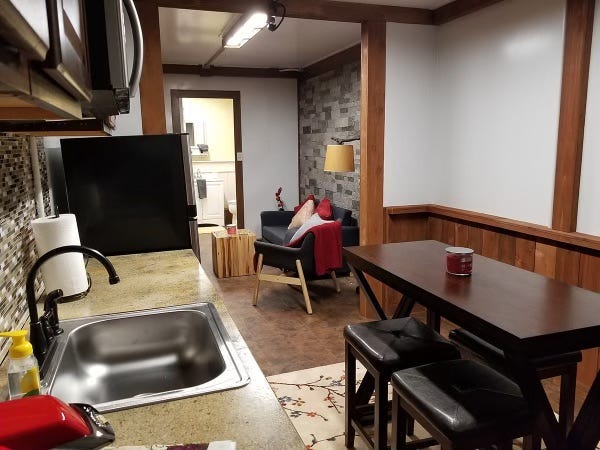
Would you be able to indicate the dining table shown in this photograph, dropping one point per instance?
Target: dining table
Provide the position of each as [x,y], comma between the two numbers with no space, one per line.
[525,314]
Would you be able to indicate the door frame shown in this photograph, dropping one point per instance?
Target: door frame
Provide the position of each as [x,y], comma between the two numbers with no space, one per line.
[177,119]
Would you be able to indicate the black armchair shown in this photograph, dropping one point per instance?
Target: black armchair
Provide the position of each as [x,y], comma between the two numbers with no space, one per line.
[274,229]
[300,260]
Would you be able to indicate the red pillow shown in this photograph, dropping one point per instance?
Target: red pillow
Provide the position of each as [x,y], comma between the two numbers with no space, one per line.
[324,209]
[308,197]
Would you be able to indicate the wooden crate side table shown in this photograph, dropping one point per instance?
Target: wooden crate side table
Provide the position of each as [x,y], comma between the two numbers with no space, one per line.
[233,254]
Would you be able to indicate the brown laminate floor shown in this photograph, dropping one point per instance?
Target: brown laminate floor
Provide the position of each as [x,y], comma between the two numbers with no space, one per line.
[284,338]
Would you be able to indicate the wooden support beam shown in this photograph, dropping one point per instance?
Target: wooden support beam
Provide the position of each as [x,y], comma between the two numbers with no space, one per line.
[216,71]
[332,62]
[152,97]
[311,9]
[579,24]
[372,129]
[459,8]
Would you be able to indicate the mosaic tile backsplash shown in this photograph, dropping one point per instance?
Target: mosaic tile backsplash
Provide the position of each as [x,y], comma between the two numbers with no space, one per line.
[17,210]
[329,106]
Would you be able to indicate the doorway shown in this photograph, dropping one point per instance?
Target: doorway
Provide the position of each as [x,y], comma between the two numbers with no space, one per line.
[212,120]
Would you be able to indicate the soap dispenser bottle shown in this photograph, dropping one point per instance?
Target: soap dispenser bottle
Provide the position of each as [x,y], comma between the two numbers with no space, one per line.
[23,372]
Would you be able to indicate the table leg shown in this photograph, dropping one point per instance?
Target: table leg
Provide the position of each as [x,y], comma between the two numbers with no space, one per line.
[404,308]
[434,320]
[585,433]
[366,288]
[533,391]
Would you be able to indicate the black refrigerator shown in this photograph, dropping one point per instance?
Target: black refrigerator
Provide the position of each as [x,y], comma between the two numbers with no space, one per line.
[130,194]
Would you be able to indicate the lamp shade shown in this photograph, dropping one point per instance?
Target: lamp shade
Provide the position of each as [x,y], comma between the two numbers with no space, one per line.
[339,158]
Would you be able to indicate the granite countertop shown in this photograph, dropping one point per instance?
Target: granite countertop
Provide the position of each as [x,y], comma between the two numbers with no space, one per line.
[250,415]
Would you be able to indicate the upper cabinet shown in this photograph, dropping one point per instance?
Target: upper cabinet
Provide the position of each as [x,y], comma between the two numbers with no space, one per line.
[67,61]
[43,60]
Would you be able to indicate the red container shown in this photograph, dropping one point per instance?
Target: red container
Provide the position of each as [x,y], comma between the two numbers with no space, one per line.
[231,229]
[459,261]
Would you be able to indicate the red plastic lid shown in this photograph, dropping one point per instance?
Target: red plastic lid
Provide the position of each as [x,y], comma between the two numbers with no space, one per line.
[38,423]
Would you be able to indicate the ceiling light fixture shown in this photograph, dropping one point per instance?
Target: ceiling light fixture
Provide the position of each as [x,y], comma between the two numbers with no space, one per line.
[244,30]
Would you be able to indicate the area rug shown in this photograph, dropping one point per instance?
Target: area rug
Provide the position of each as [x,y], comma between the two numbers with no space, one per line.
[314,401]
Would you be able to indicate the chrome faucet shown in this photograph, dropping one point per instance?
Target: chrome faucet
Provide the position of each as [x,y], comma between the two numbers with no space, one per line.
[44,329]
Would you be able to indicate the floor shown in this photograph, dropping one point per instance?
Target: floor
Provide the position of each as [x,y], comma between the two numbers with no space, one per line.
[284,338]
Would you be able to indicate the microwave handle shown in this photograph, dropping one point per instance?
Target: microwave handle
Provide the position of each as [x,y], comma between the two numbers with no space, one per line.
[138,46]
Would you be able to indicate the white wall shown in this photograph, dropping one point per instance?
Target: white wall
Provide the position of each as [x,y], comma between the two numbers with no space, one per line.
[494,114]
[409,146]
[499,83]
[588,220]
[269,136]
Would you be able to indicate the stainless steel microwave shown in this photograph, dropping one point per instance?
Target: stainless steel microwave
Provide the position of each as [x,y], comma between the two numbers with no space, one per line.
[112,85]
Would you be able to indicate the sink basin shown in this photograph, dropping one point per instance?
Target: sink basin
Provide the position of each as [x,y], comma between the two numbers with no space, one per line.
[119,361]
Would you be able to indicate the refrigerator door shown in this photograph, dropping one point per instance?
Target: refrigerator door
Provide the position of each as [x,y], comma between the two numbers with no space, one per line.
[131,194]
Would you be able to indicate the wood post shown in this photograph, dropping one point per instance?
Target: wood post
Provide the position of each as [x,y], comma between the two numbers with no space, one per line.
[372,129]
[579,24]
[152,97]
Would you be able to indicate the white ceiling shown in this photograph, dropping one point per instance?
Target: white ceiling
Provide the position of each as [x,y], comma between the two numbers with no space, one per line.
[192,37]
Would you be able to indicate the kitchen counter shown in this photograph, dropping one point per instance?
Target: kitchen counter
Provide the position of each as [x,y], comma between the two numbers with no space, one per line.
[250,415]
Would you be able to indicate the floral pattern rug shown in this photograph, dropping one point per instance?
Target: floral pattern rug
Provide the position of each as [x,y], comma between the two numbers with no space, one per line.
[314,401]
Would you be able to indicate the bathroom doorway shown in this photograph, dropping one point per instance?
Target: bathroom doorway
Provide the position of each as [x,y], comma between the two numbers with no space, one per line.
[212,120]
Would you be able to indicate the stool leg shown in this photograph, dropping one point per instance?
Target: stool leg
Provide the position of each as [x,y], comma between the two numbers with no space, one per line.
[350,396]
[532,442]
[399,425]
[410,426]
[566,406]
[381,411]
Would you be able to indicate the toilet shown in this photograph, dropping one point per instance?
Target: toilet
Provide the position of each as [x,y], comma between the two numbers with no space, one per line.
[232,206]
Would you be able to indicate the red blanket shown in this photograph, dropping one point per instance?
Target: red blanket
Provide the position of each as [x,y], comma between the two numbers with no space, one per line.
[328,246]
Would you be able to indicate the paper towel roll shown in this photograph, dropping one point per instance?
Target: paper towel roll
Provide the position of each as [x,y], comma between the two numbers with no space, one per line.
[66,272]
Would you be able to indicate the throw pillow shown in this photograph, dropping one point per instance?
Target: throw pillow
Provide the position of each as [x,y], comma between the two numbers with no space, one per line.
[303,214]
[313,221]
[324,209]
[308,197]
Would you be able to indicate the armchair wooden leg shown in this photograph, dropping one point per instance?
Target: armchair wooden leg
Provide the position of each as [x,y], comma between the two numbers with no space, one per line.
[303,284]
[256,286]
[335,281]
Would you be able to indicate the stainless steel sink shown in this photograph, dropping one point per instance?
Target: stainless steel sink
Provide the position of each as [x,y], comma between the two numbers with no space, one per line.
[119,361]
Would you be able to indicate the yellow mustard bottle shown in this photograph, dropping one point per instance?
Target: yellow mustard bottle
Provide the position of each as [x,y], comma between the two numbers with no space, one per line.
[23,371]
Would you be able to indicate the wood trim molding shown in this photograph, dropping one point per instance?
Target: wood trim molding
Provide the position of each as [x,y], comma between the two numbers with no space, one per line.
[152,97]
[311,9]
[459,8]
[219,71]
[351,54]
[579,24]
[581,240]
[176,115]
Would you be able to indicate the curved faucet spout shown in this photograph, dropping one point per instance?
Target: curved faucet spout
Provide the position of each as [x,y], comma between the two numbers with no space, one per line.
[113,278]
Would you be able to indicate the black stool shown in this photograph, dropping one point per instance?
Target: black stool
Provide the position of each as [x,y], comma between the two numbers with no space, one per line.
[563,365]
[384,347]
[463,404]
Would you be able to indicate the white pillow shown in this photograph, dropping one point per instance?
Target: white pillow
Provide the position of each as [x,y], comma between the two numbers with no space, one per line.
[303,214]
[313,221]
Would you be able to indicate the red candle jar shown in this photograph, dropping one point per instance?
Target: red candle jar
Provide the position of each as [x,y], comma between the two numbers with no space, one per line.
[231,229]
[459,261]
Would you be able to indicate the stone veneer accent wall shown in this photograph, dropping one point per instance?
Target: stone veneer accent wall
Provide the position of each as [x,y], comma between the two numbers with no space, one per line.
[17,210]
[329,106]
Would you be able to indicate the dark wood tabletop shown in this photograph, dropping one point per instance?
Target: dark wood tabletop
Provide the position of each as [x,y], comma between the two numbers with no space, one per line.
[512,307]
